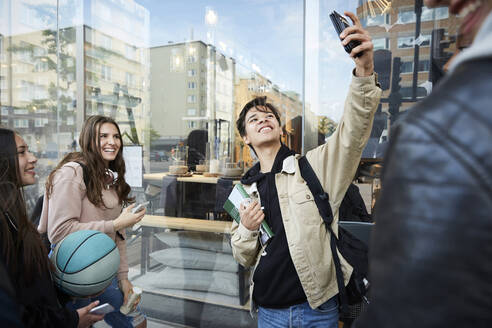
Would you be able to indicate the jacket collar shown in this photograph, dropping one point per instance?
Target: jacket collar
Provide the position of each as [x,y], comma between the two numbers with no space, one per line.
[289,165]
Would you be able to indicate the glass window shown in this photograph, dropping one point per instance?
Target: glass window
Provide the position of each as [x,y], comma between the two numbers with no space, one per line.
[409,41]
[40,122]
[405,42]
[424,65]
[407,67]
[375,20]
[191,59]
[175,76]
[406,92]
[434,13]
[21,111]
[106,72]
[191,99]
[105,41]
[21,123]
[380,43]
[130,79]
[441,13]
[176,60]
[130,52]
[41,65]
[2,54]
[406,15]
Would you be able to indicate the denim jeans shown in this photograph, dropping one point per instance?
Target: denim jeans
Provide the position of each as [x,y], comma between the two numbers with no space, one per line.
[300,316]
[113,296]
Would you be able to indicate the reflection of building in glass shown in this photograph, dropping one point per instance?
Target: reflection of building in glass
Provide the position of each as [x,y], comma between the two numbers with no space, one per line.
[116,74]
[288,104]
[47,91]
[395,31]
[29,89]
[192,88]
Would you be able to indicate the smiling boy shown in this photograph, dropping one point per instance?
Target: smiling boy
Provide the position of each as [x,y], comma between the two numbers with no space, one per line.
[294,277]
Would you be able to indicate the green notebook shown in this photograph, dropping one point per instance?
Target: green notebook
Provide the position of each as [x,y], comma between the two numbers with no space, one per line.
[237,196]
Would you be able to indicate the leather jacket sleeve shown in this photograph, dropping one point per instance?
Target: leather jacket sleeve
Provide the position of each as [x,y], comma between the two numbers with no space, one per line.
[430,253]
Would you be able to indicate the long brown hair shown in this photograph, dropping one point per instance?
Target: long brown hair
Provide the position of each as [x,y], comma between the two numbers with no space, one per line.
[24,253]
[90,155]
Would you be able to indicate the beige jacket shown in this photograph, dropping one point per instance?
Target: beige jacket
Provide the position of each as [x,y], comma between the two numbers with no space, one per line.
[68,210]
[335,164]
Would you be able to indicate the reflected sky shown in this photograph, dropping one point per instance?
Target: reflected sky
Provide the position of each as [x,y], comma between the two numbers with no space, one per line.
[264,36]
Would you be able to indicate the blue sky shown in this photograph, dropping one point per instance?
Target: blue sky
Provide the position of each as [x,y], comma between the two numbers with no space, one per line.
[268,33]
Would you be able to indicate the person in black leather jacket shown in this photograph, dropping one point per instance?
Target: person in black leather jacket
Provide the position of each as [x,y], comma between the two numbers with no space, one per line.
[431,251]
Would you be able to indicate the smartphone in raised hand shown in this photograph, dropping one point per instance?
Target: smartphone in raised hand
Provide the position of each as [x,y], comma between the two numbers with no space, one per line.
[340,23]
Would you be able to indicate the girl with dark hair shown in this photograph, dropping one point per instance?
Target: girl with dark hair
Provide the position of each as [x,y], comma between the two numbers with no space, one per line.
[21,247]
[72,203]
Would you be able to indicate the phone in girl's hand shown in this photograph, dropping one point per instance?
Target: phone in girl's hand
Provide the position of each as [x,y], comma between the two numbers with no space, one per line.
[102,309]
[139,207]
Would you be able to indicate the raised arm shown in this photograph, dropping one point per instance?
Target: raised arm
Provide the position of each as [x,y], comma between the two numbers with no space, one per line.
[336,162]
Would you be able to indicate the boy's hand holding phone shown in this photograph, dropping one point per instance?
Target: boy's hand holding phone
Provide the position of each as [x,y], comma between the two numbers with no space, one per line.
[356,41]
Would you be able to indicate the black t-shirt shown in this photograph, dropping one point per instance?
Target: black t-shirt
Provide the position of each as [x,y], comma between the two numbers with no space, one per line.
[277,284]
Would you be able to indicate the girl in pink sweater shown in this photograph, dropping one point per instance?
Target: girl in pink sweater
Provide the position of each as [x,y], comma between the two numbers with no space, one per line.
[72,204]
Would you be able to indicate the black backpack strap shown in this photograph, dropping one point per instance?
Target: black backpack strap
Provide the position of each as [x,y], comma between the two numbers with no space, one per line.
[321,199]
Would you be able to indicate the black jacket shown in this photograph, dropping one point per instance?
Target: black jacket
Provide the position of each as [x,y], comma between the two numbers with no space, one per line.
[431,253]
[39,302]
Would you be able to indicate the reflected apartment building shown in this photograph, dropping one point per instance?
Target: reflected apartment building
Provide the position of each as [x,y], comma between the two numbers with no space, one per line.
[192,88]
[406,56]
[47,92]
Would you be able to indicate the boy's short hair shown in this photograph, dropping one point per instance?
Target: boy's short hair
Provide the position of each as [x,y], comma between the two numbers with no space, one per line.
[257,103]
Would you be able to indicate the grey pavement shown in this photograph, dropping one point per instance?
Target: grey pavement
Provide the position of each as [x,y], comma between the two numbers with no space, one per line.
[151,323]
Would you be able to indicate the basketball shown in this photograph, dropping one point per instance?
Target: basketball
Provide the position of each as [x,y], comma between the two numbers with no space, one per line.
[85,263]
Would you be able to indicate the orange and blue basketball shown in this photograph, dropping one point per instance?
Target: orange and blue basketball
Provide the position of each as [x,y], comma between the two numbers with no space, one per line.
[85,262]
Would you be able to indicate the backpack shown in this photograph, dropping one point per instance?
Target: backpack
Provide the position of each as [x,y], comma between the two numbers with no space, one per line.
[354,251]
[38,208]
[353,207]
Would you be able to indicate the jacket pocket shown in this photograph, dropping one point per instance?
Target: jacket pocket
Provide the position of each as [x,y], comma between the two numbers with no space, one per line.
[305,208]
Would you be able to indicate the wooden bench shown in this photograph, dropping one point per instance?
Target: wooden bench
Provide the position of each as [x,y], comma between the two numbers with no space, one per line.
[156,221]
